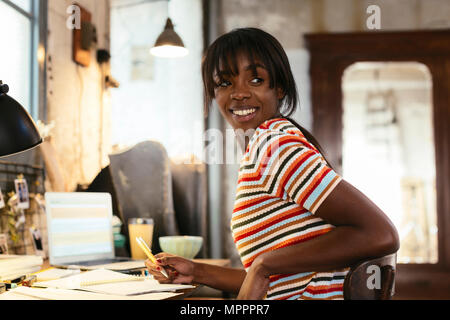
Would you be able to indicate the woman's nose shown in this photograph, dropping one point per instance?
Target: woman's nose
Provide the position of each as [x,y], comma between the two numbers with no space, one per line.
[240,92]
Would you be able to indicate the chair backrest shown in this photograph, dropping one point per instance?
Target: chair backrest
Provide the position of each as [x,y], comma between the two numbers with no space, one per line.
[143,184]
[372,279]
[189,183]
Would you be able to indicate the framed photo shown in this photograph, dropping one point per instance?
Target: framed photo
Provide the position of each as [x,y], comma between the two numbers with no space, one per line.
[37,241]
[22,193]
[3,244]
[2,201]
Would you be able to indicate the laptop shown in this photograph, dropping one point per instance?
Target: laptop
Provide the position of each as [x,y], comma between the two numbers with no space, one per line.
[80,233]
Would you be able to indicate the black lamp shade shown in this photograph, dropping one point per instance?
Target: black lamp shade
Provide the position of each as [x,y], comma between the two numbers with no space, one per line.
[18,131]
[169,36]
[169,43]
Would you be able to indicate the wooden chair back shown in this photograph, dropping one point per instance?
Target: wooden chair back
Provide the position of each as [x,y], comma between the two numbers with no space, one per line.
[372,279]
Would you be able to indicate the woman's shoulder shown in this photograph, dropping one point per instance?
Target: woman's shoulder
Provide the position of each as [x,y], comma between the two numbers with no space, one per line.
[276,129]
[282,125]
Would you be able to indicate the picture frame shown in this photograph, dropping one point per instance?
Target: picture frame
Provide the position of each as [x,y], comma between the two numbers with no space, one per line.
[22,193]
[2,200]
[37,241]
[3,243]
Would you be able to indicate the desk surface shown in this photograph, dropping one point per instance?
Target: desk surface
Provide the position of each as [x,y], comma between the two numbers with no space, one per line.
[185,293]
[217,262]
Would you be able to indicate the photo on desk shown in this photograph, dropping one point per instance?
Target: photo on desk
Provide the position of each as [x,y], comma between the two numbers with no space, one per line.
[22,193]
[2,201]
[3,243]
[37,241]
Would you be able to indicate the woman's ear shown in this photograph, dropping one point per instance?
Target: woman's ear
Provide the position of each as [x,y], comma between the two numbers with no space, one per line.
[280,93]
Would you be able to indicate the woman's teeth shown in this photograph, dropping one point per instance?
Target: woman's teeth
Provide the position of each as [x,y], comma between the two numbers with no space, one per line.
[244,112]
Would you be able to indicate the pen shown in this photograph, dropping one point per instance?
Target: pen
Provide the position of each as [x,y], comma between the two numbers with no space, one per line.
[149,254]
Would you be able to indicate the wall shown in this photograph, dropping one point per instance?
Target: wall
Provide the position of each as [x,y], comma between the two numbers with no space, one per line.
[289,20]
[157,93]
[77,102]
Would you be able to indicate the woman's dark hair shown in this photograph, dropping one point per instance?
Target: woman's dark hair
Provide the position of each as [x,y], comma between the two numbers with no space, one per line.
[259,46]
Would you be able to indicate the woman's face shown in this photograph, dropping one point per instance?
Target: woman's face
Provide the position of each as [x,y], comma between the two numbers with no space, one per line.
[246,99]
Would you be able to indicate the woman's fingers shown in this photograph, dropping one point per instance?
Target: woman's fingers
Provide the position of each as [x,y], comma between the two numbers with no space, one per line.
[180,270]
[155,271]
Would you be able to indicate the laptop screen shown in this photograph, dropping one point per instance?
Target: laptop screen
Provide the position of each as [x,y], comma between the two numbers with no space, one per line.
[79,226]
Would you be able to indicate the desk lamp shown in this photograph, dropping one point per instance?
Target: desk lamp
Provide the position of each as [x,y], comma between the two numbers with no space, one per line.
[18,132]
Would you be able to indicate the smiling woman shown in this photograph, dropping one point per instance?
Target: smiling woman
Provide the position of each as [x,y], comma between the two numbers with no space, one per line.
[296,223]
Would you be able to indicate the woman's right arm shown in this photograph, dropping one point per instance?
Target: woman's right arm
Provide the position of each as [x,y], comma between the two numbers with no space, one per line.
[183,270]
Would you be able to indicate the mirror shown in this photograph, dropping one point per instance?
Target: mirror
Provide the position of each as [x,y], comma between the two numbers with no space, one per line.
[388,149]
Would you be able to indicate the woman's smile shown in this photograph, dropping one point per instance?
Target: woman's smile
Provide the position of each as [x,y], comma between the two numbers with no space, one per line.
[244,113]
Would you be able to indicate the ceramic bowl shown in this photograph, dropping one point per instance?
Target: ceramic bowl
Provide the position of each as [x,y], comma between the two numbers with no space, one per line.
[184,246]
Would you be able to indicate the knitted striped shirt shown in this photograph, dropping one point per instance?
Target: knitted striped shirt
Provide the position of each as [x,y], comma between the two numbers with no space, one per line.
[282,181]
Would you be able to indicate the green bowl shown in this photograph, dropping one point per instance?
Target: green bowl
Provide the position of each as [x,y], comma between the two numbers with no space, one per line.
[184,246]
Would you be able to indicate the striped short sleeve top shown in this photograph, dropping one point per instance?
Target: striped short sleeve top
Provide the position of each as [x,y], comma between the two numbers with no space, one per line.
[282,181]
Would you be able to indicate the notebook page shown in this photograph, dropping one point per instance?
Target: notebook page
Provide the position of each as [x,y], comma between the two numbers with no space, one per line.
[135,287]
[55,273]
[114,288]
[76,281]
[26,293]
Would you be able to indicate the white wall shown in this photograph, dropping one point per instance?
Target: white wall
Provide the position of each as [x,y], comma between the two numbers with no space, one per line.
[167,104]
[75,96]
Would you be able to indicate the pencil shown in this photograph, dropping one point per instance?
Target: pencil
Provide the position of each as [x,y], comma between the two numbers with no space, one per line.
[149,254]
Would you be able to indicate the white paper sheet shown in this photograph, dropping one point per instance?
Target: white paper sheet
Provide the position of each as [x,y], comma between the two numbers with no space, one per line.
[26,293]
[55,273]
[114,288]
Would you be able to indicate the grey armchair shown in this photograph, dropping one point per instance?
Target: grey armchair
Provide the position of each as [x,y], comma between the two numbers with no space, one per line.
[143,185]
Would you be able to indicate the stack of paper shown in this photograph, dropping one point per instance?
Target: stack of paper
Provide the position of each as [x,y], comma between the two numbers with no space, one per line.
[13,266]
[111,282]
[55,273]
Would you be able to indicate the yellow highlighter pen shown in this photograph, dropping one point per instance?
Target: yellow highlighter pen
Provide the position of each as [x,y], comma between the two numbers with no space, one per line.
[149,254]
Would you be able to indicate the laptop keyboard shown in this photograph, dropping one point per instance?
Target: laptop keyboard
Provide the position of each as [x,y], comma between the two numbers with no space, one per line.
[99,262]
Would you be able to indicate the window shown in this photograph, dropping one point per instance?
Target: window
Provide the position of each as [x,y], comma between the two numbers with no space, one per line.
[19,65]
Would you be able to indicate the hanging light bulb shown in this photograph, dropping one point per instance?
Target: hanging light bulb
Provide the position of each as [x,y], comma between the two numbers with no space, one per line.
[169,43]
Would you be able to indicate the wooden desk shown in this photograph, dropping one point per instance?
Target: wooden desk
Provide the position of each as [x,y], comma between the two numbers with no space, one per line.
[185,293]
[217,262]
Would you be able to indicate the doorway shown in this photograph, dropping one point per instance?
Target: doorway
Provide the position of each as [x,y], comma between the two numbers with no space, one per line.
[334,58]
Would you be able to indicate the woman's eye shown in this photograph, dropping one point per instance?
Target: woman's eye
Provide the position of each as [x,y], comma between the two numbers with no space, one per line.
[256,80]
[224,83]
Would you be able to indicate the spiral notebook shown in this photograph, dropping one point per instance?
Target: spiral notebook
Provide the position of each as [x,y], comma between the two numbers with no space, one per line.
[111,282]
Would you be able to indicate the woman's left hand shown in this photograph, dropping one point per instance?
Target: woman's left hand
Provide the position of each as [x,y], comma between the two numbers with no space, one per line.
[255,285]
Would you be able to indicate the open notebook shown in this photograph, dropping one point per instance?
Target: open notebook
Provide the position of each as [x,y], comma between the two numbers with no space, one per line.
[111,282]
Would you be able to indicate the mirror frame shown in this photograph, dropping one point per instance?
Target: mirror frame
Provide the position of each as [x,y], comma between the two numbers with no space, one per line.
[330,55]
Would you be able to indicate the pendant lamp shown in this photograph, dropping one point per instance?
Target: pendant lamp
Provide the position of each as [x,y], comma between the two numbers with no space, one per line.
[18,132]
[169,43]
